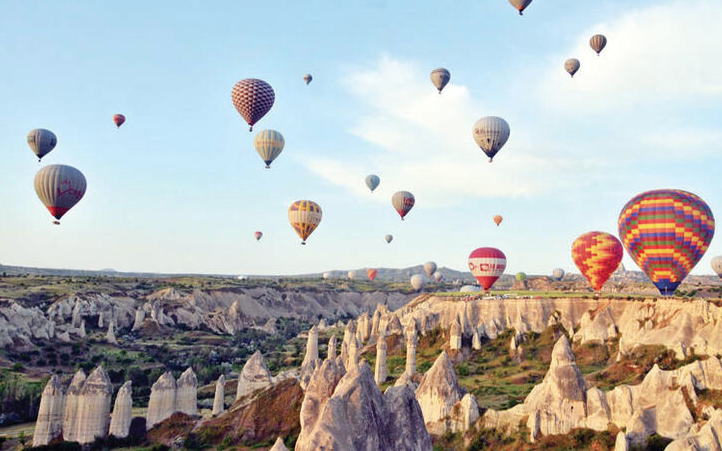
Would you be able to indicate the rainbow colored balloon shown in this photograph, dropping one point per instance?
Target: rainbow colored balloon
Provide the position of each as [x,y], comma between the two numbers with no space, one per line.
[597,255]
[666,232]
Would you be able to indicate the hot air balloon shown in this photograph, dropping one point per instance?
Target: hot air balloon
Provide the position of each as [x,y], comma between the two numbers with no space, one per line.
[597,255]
[304,216]
[429,268]
[520,276]
[118,120]
[269,145]
[469,289]
[59,187]
[716,265]
[490,134]
[307,78]
[372,181]
[389,238]
[572,66]
[253,98]
[598,42]
[438,276]
[327,275]
[558,274]
[403,202]
[258,235]
[498,219]
[417,282]
[41,142]
[666,232]
[371,273]
[440,77]
[351,275]
[520,5]
[487,265]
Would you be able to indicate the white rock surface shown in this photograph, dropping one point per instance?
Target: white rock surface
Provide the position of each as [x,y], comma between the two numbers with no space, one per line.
[70,413]
[161,404]
[93,412]
[278,446]
[331,347]
[254,376]
[438,394]
[186,398]
[219,399]
[110,335]
[380,369]
[122,411]
[49,424]
[455,335]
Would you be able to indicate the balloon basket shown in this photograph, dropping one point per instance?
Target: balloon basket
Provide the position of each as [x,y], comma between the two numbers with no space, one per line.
[56,222]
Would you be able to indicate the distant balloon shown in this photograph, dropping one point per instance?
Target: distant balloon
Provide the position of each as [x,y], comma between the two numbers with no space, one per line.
[389,238]
[597,255]
[371,273]
[417,282]
[269,145]
[258,235]
[307,78]
[118,120]
[520,276]
[429,268]
[572,66]
[520,5]
[487,264]
[59,187]
[253,98]
[716,265]
[598,42]
[327,275]
[558,274]
[372,181]
[490,134]
[469,289]
[498,219]
[440,77]
[304,216]
[438,276]
[41,142]
[666,232]
[351,275]
[403,202]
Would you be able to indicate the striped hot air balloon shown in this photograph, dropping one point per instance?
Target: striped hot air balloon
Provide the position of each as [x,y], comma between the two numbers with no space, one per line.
[269,145]
[258,235]
[429,268]
[389,238]
[666,232]
[572,66]
[371,273]
[403,202]
[59,187]
[253,98]
[308,78]
[118,120]
[597,255]
[487,264]
[41,142]
[558,274]
[304,216]
[440,78]
[438,276]
[598,42]
[490,134]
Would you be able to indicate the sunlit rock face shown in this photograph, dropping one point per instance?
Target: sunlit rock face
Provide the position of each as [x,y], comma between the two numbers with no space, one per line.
[49,424]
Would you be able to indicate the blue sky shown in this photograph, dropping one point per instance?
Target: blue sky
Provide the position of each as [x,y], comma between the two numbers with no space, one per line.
[180,188]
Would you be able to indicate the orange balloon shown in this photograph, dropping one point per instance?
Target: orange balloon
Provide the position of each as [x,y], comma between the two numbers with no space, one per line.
[597,255]
[498,219]
[371,273]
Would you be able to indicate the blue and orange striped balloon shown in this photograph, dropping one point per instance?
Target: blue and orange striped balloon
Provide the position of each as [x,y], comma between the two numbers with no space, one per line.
[666,232]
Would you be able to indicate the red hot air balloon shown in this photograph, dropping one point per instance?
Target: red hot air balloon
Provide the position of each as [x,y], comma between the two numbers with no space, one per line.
[258,235]
[403,202]
[487,265]
[666,232]
[118,120]
[597,255]
[253,98]
[371,273]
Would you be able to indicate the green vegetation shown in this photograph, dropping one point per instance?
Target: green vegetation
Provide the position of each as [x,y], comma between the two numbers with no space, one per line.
[20,396]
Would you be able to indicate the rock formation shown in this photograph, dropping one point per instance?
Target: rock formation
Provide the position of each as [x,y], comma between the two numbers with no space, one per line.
[70,426]
[349,333]
[49,424]
[139,318]
[353,353]
[122,411]
[93,411]
[411,343]
[161,404]
[218,400]
[621,443]
[455,335]
[311,347]
[254,376]
[110,336]
[331,347]
[187,393]
[476,340]
[19,326]
[101,322]
[380,370]
[278,446]
[363,328]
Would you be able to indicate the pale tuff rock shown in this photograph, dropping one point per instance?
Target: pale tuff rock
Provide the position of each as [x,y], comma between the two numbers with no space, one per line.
[707,437]
[278,446]
[93,305]
[139,318]
[349,334]
[464,418]
[270,326]
[598,329]
[405,379]
[77,314]
[161,404]
[455,335]
[363,329]
[122,411]
[393,327]
[475,340]
[70,426]
[254,376]
[353,353]
[218,400]
[411,343]
[598,412]
[101,322]
[310,360]
[93,412]
[322,325]
[359,339]
[20,326]
[622,444]
[110,336]
[380,370]
[81,329]
[63,336]
[351,414]
[49,424]
[186,393]
[375,322]
[332,347]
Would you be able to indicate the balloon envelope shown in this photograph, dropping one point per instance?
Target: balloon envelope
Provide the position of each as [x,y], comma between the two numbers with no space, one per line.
[372,181]
[716,265]
[498,219]
[371,273]
[520,276]
[258,235]
[118,120]
[304,216]
[389,238]
[440,77]
[438,276]
[351,275]
[598,42]
[403,202]
[520,5]
[59,187]
[429,268]
[597,255]
[417,282]
[269,145]
[253,98]
[487,264]
[558,274]
[572,66]
[327,275]
[469,289]
[307,78]
[666,232]
[490,134]
[41,141]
